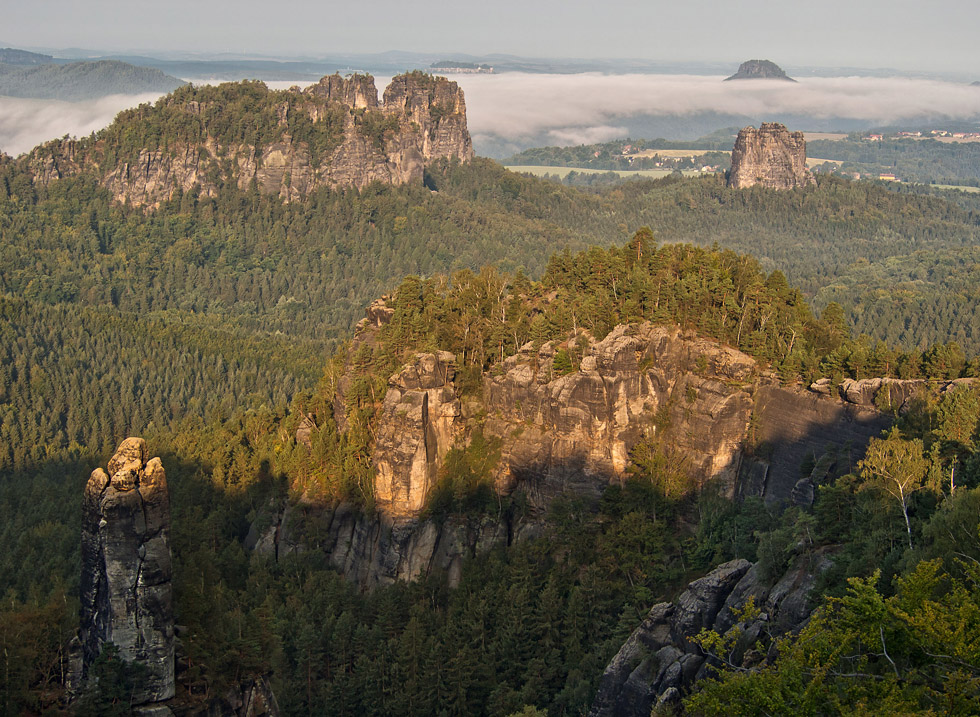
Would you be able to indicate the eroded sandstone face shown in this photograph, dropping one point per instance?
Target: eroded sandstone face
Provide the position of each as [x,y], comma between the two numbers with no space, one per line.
[417,427]
[423,118]
[710,408]
[575,432]
[126,589]
[770,156]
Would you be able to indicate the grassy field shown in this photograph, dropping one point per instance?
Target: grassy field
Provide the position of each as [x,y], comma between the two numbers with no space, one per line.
[563,171]
[811,136]
[672,153]
[956,186]
[813,161]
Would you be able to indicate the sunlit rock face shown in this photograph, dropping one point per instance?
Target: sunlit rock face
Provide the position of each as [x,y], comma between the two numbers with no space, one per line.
[418,426]
[126,592]
[574,432]
[771,157]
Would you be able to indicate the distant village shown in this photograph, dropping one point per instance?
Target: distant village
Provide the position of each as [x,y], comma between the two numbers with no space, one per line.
[930,134]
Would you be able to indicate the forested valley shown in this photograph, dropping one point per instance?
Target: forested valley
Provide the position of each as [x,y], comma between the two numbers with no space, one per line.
[213,326]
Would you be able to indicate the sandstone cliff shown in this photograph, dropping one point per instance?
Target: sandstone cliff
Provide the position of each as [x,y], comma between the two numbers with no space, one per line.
[714,412]
[771,157]
[659,662]
[418,425]
[125,589]
[334,133]
[712,408]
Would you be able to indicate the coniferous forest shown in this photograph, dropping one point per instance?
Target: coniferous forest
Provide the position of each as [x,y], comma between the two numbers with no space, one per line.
[213,326]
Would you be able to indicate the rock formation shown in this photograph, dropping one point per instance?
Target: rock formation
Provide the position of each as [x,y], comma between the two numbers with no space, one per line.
[760,70]
[659,661]
[421,119]
[771,157]
[375,550]
[574,432]
[417,428]
[721,415]
[125,588]
[724,418]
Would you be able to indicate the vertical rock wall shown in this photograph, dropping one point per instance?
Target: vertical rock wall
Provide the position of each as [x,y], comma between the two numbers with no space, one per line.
[416,430]
[126,591]
[771,157]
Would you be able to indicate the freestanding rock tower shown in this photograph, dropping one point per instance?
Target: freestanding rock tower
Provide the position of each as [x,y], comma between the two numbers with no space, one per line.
[770,156]
[125,588]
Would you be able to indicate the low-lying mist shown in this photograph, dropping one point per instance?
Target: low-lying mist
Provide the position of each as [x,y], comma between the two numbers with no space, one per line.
[512,111]
[26,123]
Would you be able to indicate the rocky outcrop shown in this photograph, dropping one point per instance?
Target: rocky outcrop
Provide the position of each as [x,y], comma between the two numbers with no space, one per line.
[760,70]
[417,427]
[715,413]
[659,662]
[126,592]
[770,157]
[360,141]
[374,550]
[251,697]
[575,432]
[711,407]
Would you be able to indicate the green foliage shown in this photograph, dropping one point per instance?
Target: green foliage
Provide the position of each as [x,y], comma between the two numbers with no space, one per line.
[230,114]
[913,160]
[915,652]
[110,685]
[465,483]
[33,641]
[376,125]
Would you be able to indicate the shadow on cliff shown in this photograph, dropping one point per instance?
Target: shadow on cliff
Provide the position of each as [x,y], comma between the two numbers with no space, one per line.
[797,436]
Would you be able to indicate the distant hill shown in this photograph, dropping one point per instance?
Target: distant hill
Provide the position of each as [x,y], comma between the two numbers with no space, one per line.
[10,56]
[760,70]
[82,80]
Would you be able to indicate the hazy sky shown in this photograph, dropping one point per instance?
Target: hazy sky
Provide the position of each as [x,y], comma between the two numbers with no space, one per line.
[904,34]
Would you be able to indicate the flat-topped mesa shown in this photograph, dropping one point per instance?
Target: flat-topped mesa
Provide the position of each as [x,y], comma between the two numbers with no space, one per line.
[126,591]
[334,133]
[760,70]
[770,156]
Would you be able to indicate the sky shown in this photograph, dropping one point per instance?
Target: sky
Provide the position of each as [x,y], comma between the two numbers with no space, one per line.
[900,34]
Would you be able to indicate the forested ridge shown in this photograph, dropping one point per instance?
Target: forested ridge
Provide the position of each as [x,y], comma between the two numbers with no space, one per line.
[212,326]
[76,81]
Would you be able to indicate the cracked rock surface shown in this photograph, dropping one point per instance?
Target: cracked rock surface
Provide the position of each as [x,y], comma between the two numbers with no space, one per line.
[126,589]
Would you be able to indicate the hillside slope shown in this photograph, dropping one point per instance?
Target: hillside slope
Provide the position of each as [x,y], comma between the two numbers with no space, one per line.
[77,81]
